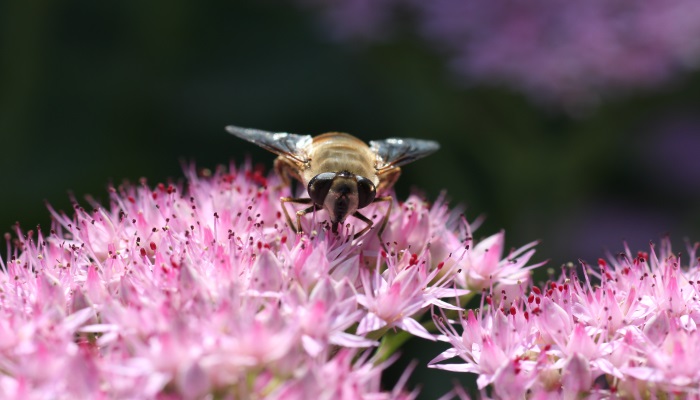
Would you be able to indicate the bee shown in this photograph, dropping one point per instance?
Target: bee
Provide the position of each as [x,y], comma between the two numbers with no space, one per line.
[341,173]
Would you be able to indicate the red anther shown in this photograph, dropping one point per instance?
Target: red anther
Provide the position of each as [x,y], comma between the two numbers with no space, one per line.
[228,178]
[257,177]
[153,246]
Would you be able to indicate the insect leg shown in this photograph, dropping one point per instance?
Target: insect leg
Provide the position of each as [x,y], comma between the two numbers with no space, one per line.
[286,170]
[296,228]
[303,212]
[365,220]
[386,216]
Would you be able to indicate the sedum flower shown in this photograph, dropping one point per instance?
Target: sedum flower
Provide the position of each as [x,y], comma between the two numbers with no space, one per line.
[392,298]
[626,329]
[201,290]
[484,267]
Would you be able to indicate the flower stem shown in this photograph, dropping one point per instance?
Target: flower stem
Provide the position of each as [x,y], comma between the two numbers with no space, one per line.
[391,342]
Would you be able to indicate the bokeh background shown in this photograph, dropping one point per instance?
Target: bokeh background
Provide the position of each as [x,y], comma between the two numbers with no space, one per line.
[579,147]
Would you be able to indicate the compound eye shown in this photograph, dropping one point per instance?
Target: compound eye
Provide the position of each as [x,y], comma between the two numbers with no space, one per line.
[365,192]
[319,186]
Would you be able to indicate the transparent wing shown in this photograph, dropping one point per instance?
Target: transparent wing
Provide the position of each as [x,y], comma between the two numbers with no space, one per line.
[395,152]
[294,147]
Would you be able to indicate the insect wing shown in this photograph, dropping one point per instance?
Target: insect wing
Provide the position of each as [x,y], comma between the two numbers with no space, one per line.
[395,152]
[284,144]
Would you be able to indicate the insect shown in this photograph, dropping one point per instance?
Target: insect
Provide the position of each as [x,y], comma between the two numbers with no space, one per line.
[342,173]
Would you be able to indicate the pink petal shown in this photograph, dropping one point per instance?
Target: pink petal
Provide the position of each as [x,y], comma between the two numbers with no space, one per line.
[412,326]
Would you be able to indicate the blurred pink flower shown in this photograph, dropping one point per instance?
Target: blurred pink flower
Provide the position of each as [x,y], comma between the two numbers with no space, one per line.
[188,291]
[569,52]
[560,52]
[633,334]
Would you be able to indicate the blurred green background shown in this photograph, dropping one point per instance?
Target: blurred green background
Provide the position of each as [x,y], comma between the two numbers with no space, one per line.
[93,92]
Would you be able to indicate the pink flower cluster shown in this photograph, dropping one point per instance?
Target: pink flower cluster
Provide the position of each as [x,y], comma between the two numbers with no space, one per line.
[555,51]
[631,335]
[186,291]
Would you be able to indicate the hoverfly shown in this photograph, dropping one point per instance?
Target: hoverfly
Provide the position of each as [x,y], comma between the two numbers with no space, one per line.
[342,173]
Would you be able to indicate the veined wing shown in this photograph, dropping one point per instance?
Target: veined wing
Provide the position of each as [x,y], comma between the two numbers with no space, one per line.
[290,145]
[395,152]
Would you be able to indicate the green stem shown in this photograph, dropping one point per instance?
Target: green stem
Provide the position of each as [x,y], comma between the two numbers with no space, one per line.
[390,343]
